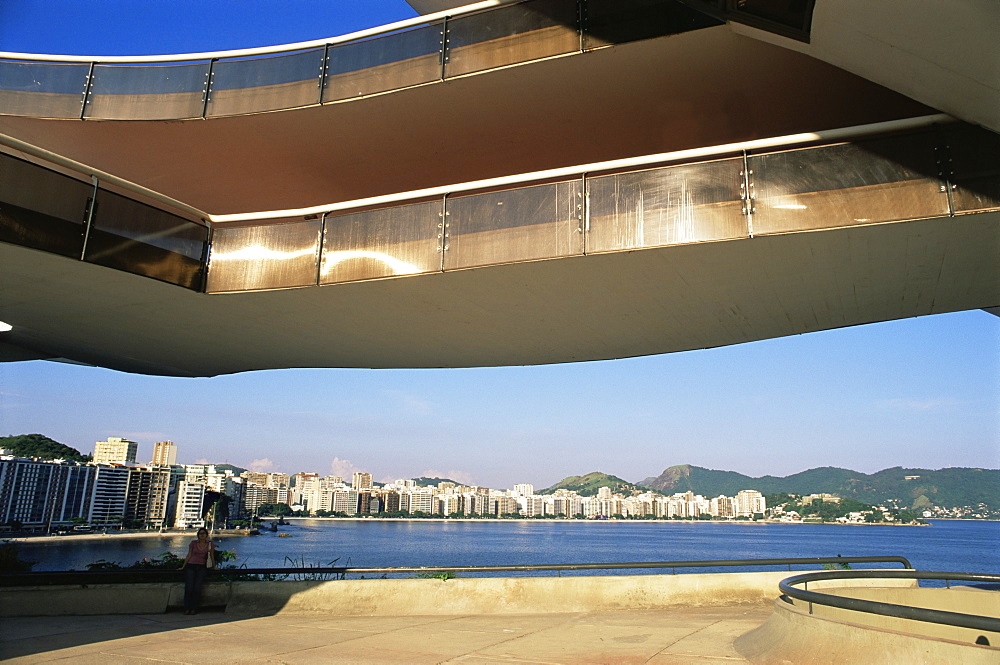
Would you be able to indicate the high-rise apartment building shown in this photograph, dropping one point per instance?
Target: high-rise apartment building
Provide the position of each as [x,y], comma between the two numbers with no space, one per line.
[190,504]
[115,449]
[164,453]
[361,481]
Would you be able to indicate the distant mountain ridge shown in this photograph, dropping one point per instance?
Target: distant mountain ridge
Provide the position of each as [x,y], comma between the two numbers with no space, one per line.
[913,488]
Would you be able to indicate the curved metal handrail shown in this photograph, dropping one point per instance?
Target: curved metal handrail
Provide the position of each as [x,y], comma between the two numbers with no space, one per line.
[100,576]
[976,622]
[261,50]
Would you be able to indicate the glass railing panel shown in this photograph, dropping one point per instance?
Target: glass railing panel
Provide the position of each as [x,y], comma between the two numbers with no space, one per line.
[42,209]
[148,92]
[265,84]
[42,90]
[620,21]
[138,238]
[268,256]
[666,206]
[404,240]
[509,35]
[866,182]
[975,162]
[538,222]
[394,61]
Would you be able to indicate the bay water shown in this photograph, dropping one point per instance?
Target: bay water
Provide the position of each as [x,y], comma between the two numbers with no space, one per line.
[945,545]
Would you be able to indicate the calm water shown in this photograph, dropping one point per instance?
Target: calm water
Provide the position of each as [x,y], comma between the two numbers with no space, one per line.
[945,545]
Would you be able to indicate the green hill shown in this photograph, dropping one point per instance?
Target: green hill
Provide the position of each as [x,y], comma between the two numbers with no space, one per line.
[948,488]
[41,446]
[589,484]
[423,481]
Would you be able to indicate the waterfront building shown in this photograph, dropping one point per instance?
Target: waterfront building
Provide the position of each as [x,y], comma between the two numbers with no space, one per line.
[749,503]
[147,496]
[523,489]
[190,504]
[164,453]
[446,504]
[343,500]
[110,495]
[115,449]
[42,494]
[361,481]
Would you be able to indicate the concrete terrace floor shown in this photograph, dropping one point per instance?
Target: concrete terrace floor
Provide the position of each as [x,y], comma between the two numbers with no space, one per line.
[683,635]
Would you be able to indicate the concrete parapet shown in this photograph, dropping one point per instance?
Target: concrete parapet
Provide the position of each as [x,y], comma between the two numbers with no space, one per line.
[494,595]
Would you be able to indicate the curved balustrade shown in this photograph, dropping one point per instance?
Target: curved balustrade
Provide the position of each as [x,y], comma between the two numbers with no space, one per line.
[464,41]
[870,181]
[932,173]
[789,588]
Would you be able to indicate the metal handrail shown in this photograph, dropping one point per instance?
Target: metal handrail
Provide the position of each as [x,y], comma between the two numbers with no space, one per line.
[959,619]
[261,50]
[92,576]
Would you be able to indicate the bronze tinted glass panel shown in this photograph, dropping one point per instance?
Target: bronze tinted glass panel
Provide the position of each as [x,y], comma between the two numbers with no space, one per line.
[620,21]
[265,84]
[538,222]
[42,209]
[268,256]
[138,238]
[42,90]
[975,164]
[667,206]
[382,243]
[386,63]
[509,35]
[866,182]
[150,92]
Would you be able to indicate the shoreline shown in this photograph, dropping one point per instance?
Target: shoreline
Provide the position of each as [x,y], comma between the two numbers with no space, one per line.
[243,533]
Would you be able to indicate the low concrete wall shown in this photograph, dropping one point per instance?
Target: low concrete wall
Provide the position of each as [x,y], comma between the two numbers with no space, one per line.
[830,636]
[510,595]
[90,599]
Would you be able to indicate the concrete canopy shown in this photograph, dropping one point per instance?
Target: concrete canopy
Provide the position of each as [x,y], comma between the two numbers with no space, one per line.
[646,97]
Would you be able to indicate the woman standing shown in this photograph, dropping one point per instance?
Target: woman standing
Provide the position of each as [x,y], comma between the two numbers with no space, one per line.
[200,557]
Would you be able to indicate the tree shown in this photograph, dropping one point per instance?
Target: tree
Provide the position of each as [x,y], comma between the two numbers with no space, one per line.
[274,509]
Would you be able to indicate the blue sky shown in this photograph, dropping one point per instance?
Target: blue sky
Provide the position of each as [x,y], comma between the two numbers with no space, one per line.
[920,392]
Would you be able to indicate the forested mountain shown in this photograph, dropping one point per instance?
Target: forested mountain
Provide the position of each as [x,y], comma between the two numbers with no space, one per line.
[913,488]
[41,446]
[589,484]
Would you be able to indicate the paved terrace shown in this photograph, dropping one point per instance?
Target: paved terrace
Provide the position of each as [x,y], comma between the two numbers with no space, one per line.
[688,635]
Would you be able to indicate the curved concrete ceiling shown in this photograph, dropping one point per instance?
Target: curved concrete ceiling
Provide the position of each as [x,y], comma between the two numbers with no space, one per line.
[647,97]
[560,310]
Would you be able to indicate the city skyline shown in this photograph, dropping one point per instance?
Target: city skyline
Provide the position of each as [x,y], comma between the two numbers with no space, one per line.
[919,392]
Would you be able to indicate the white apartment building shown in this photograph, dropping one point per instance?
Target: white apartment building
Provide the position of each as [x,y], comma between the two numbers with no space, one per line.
[115,449]
[190,503]
[109,495]
[749,502]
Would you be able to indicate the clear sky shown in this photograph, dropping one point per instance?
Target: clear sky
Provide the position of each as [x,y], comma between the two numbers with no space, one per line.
[920,392]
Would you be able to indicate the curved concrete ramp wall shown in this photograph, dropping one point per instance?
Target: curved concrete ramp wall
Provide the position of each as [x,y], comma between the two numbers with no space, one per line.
[796,633]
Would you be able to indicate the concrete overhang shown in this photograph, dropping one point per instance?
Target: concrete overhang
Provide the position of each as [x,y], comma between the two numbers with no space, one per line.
[660,95]
[562,310]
